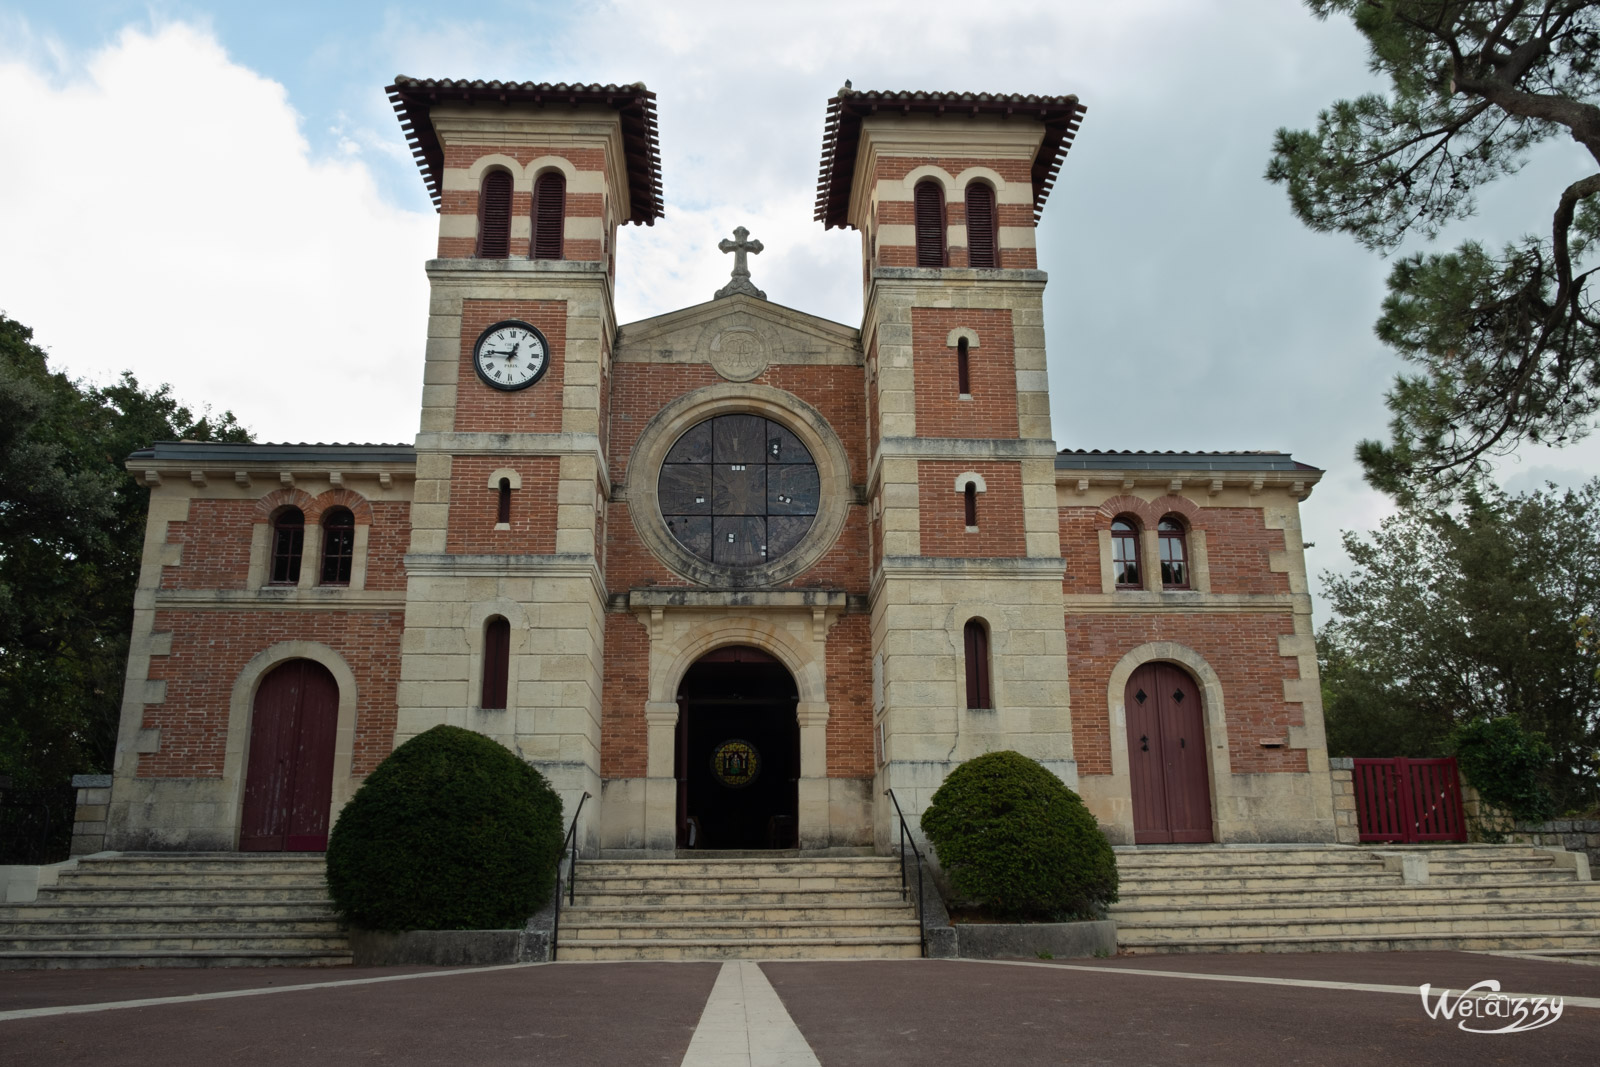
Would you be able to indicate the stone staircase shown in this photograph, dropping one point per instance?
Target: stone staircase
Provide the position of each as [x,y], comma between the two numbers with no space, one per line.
[739,906]
[1289,898]
[166,909]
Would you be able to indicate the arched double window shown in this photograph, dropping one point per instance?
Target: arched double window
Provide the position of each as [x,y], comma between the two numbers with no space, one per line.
[1125,570]
[976,648]
[338,545]
[494,216]
[1174,553]
[549,214]
[982,246]
[929,212]
[496,663]
[288,543]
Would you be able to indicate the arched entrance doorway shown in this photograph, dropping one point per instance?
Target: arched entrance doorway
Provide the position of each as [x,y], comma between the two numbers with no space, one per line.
[1167,757]
[738,752]
[288,785]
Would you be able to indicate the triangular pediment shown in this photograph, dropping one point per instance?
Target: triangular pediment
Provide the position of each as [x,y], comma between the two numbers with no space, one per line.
[735,326]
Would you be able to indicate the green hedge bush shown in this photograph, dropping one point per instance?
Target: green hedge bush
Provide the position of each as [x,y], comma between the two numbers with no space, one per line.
[1018,844]
[1506,765]
[451,832]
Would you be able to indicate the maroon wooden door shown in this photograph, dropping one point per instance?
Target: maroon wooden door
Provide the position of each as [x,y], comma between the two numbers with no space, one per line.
[288,785]
[1167,757]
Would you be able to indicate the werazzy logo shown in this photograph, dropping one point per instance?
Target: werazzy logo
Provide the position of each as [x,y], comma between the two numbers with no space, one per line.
[1479,1007]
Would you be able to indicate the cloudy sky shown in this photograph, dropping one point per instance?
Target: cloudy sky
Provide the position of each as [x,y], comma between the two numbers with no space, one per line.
[218,196]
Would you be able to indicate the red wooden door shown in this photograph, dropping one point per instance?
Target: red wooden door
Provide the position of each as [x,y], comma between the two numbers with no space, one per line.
[1167,757]
[288,785]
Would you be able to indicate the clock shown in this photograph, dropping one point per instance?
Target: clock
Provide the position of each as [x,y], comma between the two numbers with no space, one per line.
[511,355]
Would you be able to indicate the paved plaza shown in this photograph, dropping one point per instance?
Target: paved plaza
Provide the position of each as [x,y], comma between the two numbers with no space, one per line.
[1344,1008]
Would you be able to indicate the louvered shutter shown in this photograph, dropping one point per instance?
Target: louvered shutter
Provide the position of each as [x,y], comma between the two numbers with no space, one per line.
[930,225]
[549,214]
[496,664]
[494,216]
[980,226]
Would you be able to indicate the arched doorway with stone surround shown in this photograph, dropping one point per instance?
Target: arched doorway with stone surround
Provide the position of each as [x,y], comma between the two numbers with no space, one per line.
[737,752]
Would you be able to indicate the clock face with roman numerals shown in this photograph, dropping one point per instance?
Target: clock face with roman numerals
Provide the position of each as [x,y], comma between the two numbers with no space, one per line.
[511,355]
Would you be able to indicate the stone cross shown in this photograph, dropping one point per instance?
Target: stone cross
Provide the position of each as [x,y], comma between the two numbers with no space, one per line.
[740,283]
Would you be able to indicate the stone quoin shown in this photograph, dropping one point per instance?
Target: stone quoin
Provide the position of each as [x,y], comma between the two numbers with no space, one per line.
[733,570]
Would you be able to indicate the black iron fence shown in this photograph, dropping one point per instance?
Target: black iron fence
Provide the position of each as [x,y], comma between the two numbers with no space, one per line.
[36,824]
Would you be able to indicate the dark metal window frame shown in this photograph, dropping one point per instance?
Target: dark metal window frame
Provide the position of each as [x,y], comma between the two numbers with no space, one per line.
[338,545]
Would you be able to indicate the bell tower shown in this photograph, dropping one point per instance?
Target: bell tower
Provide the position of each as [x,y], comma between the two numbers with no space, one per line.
[506,592]
[968,641]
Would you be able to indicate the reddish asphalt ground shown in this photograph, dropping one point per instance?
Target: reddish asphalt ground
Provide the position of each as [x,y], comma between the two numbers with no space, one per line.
[868,1012]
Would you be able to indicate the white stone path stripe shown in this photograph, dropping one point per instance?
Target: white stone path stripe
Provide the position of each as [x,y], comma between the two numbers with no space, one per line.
[1303,983]
[229,994]
[744,1024]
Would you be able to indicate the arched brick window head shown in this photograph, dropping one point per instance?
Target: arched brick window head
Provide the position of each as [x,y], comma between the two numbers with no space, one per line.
[496,663]
[549,214]
[982,250]
[338,546]
[1125,570]
[963,368]
[1174,554]
[976,642]
[288,542]
[494,216]
[930,224]
[503,509]
[970,502]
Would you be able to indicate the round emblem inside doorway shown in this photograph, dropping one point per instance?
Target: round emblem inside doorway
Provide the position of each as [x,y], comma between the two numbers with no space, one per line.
[735,763]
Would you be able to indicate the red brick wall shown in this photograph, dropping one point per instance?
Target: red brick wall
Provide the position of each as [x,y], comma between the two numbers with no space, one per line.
[992,411]
[902,212]
[1243,649]
[474,506]
[624,739]
[210,648]
[944,524]
[1080,550]
[216,545]
[465,201]
[388,540]
[1238,543]
[536,409]
[850,698]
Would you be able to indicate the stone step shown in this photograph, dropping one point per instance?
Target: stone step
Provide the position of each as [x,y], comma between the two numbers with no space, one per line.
[199,942]
[182,924]
[783,913]
[42,960]
[214,861]
[751,883]
[778,948]
[1300,911]
[1504,941]
[1224,880]
[720,931]
[147,909]
[874,865]
[731,898]
[244,893]
[1403,895]
[1572,923]
[177,878]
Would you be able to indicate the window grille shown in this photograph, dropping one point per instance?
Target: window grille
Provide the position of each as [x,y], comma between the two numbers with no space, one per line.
[338,546]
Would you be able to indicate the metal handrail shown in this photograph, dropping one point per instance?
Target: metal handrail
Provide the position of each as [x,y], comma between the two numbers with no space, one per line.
[922,900]
[572,874]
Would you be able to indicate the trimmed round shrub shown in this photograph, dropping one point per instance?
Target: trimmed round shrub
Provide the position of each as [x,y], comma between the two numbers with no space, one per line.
[1016,843]
[452,832]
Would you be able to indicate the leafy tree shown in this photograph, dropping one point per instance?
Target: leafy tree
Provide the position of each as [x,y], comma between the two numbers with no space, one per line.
[1456,618]
[1506,341]
[71,534]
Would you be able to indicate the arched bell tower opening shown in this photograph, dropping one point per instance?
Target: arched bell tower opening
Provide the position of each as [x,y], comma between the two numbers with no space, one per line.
[738,752]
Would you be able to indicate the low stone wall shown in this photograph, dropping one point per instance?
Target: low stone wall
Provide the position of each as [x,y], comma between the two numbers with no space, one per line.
[1000,941]
[448,948]
[1346,830]
[1574,835]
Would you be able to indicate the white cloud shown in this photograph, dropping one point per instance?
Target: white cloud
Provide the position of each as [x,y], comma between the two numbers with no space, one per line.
[163,214]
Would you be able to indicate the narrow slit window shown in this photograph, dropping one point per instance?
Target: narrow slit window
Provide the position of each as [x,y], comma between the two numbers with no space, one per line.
[981,243]
[1125,554]
[338,546]
[502,512]
[494,216]
[970,503]
[288,542]
[496,663]
[930,224]
[549,214]
[1174,554]
[977,662]
[963,368]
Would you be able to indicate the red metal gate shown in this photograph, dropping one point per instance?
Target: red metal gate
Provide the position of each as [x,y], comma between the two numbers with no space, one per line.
[1409,800]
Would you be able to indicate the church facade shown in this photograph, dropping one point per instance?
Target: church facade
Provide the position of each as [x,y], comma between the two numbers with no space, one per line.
[734,571]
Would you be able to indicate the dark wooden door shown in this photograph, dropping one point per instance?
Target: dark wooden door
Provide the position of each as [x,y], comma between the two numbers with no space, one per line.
[288,785]
[1167,757]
